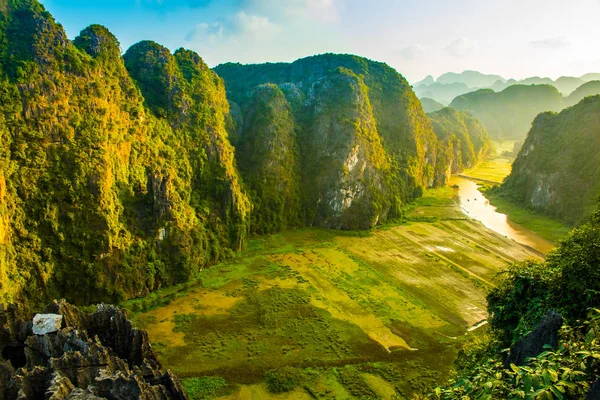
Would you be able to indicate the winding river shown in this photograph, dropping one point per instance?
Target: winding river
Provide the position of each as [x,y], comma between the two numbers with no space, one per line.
[476,206]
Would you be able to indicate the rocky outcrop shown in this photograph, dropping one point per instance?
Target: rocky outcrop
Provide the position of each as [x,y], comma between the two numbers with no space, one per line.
[99,355]
[115,178]
[546,333]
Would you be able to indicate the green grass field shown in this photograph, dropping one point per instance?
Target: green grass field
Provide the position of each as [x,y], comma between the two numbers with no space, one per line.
[495,168]
[315,313]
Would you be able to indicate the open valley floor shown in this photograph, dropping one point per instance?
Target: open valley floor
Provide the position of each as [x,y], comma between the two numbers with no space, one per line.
[348,314]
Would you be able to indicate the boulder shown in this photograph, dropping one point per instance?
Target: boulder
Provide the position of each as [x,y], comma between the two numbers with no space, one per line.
[546,333]
[68,354]
[46,323]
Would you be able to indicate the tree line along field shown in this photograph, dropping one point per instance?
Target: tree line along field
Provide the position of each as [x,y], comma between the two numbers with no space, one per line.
[315,313]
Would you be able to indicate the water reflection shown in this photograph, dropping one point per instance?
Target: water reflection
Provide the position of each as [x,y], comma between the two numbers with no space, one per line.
[476,206]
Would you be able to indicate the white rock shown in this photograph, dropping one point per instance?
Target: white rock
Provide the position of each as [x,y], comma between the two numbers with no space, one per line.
[46,323]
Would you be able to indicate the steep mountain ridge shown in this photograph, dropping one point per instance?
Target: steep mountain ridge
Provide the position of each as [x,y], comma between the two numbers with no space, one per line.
[465,140]
[557,171]
[104,196]
[363,139]
[118,177]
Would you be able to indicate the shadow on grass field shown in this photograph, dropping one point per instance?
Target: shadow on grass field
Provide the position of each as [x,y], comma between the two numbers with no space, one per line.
[315,313]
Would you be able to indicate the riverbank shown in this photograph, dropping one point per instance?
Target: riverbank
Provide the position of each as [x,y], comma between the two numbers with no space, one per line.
[548,228]
[477,206]
[491,173]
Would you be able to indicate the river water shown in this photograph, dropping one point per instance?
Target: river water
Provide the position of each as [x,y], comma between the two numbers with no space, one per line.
[476,206]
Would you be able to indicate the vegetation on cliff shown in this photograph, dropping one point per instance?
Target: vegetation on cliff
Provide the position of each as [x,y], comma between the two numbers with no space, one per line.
[591,88]
[557,170]
[107,191]
[365,146]
[430,105]
[269,160]
[466,137]
[117,175]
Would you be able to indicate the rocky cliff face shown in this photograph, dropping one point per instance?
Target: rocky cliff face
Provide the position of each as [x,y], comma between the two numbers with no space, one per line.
[557,170]
[365,145]
[67,354]
[108,191]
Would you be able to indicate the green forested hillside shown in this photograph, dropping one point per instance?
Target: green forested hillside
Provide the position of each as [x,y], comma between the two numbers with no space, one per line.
[464,141]
[118,177]
[365,145]
[509,113]
[591,88]
[558,169]
[430,105]
[108,191]
[269,158]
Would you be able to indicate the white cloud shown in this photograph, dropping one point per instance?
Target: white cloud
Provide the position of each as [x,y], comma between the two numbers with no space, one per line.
[411,52]
[241,24]
[462,47]
[554,43]
[325,11]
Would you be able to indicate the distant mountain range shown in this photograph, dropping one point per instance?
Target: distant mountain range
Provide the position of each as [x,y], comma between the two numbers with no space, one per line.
[451,84]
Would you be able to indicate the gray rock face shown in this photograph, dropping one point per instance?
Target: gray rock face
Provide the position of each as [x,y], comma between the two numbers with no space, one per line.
[82,356]
[46,323]
[546,333]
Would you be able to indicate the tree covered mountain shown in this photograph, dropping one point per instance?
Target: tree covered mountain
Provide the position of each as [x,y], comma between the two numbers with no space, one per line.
[590,88]
[464,140]
[473,79]
[451,85]
[443,92]
[558,169]
[118,174]
[116,177]
[365,147]
[430,105]
[508,114]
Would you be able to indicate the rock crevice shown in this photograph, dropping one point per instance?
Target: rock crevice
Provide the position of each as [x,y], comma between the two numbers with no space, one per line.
[97,355]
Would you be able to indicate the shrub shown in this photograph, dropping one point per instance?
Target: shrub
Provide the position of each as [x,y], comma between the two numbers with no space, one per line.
[284,379]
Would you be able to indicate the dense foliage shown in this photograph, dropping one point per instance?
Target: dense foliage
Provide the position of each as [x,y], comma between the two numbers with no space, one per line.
[364,145]
[509,113]
[591,88]
[568,282]
[105,191]
[430,105]
[466,137]
[269,160]
[558,168]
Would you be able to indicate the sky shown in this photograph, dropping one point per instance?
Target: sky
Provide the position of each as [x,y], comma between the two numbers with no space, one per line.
[512,38]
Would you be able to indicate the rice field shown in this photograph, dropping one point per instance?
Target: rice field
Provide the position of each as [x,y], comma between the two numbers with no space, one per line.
[332,315]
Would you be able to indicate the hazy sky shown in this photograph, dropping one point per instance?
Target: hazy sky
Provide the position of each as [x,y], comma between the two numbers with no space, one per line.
[513,38]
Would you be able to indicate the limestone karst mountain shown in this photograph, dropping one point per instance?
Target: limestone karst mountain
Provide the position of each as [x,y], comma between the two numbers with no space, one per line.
[558,169]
